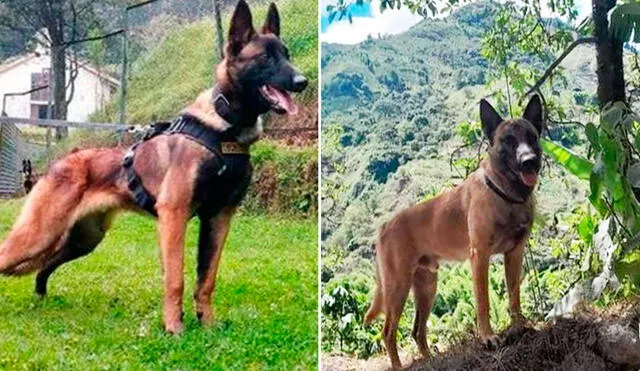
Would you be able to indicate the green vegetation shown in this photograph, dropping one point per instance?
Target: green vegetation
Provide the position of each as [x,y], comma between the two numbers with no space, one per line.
[400,125]
[104,311]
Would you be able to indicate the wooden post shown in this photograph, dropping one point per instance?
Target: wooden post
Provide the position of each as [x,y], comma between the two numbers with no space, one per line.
[50,95]
[123,78]
[218,29]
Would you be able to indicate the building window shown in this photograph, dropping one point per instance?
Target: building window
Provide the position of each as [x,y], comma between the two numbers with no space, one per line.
[37,80]
[39,111]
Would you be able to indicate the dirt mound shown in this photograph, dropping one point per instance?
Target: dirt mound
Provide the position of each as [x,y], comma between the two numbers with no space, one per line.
[591,340]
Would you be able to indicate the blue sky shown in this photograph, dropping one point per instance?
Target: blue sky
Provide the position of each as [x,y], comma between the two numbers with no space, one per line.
[357,11]
[368,20]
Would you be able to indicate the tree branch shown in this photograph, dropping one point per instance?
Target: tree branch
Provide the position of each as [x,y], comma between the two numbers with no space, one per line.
[552,67]
[73,73]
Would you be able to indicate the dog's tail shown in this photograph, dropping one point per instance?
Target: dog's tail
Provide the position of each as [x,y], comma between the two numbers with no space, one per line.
[35,232]
[376,306]
[378,300]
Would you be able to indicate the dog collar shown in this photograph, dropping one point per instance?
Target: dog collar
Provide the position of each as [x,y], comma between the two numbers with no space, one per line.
[223,107]
[500,192]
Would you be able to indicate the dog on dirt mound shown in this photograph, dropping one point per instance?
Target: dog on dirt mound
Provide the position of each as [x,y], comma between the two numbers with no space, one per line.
[196,165]
[490,213]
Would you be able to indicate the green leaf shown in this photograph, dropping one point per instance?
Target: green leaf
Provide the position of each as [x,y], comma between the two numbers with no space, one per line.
[575,164]
[625,20]
[592,134]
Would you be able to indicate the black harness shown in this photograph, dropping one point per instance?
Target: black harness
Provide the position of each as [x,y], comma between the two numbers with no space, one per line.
[229,165]
[500,193]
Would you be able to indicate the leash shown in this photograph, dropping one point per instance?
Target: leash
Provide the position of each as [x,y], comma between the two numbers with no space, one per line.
[500,192]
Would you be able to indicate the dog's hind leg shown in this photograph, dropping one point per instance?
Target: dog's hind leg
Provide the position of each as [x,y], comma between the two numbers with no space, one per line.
[85,235]
[395,278]
[424,289]
[395,294]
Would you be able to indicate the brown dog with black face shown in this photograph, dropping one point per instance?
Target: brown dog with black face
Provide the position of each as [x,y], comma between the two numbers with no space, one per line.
[70,208]
[491,212]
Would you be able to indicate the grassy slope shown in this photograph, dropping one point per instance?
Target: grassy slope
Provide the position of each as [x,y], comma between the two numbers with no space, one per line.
[173,74]
[104,311]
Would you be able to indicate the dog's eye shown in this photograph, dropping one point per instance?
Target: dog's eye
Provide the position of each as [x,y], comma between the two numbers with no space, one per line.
[262,58]
[510,141]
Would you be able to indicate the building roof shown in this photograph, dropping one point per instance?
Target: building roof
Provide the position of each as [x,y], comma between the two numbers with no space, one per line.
[16,61]
[84,64]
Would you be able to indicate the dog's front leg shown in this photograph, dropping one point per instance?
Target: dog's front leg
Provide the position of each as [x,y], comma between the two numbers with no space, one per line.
[213,234]
[480,274]
[513,269]
[172,223]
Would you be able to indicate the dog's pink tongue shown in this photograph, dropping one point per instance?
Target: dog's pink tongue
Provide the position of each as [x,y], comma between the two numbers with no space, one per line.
[529,179]
[284,100]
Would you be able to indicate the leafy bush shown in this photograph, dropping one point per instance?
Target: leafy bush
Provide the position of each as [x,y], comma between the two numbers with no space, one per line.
[343,307]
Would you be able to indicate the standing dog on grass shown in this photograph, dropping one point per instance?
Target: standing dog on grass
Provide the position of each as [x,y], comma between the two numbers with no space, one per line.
[28,178]
[197,165]
[491,212]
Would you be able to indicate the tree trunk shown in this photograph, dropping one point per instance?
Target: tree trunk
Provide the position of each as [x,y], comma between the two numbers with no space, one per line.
[59,87]
[609,56]
[219,31]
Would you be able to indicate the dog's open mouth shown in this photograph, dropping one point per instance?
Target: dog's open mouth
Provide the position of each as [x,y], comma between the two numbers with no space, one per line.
[280,100]
[529,178]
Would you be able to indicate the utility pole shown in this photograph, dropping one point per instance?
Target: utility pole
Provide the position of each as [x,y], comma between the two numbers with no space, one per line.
[218,30]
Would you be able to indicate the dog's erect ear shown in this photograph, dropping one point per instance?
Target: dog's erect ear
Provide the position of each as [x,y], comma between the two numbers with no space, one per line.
[272,23]
[490,119]
[533,113]
[241,30]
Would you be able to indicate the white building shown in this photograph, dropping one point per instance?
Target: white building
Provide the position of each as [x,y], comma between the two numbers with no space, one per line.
[93,88]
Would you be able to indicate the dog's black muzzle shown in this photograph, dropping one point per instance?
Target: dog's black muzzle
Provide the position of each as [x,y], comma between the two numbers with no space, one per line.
[529,163]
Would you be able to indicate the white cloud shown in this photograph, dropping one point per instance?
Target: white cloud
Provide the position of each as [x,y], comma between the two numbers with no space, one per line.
[394,21]
[388,22]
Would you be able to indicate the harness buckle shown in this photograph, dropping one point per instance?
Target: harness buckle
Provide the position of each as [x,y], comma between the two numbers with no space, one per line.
[222,169]
[127,160]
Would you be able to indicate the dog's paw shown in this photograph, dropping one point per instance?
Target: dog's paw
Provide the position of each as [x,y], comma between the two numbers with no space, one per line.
[491,342]
[205,318]
[518,320]
[174,328]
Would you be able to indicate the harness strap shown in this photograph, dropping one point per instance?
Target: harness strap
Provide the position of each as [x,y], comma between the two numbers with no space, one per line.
[217,143]
[500,192]
[141,196]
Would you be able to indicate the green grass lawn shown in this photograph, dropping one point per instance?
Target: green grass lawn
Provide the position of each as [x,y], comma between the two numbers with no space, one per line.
[104,311]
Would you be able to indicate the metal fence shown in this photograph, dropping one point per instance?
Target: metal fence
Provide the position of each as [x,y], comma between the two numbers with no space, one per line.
[12,152]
